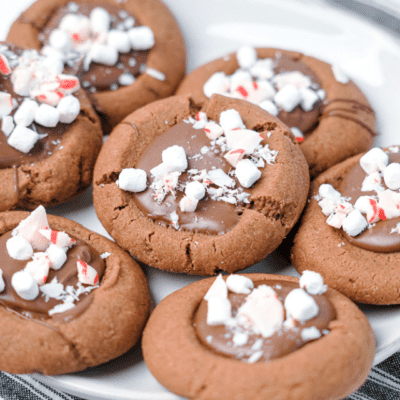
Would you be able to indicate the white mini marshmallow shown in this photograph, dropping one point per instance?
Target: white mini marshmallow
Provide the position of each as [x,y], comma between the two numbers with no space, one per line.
[69,108]
[47,116]
[25,285]
[2,284]
[321,94]
[126,79]
[60,40]
[300,306]
[217,289]
[240,339]
[175,158]
[220,178]
[247,173]
[375,160]
[132,180]
[246,56]
[363,204]
[141,38]
[195,189]
[328,205]
[160,170]
[239,284]
[19,248]
[213,130]
[6,104]
[26,112]
[354,223]
[219,311]
[218,83]
[54,64]
[239,77]
[188,204]
[311,333]
[288,98]
[308,99]
[263,69]
[39,268]
[57,256]
[231,119]
[99,20]
[23,139]
[339,75]
[293,78]
[21,79]
[372,182]
[391,176]
[336,220]
[270,107]
[119,40]
[103,54]
[7,125]
[312,282]
[328,191]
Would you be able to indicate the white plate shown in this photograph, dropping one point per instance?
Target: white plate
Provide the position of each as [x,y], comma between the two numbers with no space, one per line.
[215,27]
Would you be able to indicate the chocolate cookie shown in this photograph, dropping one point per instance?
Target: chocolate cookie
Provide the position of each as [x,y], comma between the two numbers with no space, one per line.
[142,60]
[339,358]
[327,112]
[91,307]
[350,229]
[234,211]
[50,135]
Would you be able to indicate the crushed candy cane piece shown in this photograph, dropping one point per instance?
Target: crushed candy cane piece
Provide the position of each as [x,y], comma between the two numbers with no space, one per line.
[231,119]
[219,311]
[87,274]
[58,238]
[217,289]
[239,284]
[220,178]
[68,84]
[4,65]
[39,268]
[372,182]
[6,104]
[213,130]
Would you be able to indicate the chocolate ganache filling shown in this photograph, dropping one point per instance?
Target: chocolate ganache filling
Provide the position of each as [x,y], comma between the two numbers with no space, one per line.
[377,238]
[285,340]
[67,275]
[100,77]
[211,217]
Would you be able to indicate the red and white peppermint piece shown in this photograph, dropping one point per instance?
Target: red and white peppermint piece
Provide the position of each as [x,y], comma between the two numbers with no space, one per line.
[234,156]
[67,83]
[218,83]
[217,289]
[372,182]
[39,268]
[344,207]
[87,274]
[213,130]
[374,212]
[253,92]
[201,116]
[58,238]
[336,220]
[50,97]
[298,134]
[4,65]
[6,104]
[389,203]
[245,139]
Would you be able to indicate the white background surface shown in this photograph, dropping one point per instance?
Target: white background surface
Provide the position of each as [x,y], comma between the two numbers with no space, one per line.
[211,29]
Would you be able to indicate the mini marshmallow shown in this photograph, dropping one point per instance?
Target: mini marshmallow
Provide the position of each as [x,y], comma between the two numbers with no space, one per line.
[47,116]
[300,306]
[160,170]
[312,282]
[246,56]
[19,248]
[354,223]
[23,139]
[58,238]
[141,38]
[77,25]
[311,333]
[239,77]
[4,65]
[26,112]
[218,83]
[391,175]
[240,339]
[339,75]
[175,158]
[57,256]
[60,40]
[231,119]
[217,289]
[239,284]
[288,98]
[99,20]
[29,229]
[372,182]
[25,285]
[7,125]
[336,220]
[195,189]
[39,268]
[234,156]
[308,99]
[188,204]
[293,78]
[132,180]
[328,205]
[6,104]
[87,274]
[220,178]
[328,191]
[69,108]
[219,311]
[119,40]
[213,130]
[374,160]
[270,107]
[2,283]
[247,173]
[263,69]
[103,54]
[21,79]
[126,79]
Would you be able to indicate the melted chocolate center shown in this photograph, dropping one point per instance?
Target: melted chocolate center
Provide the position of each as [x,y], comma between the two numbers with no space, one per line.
[284,341]
[100,77]
[67,275]
[211,217]
[378,238]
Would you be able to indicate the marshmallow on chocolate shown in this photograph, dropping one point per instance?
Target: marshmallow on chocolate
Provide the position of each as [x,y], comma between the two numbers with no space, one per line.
[19,248]
[354,223]
[25,285]
[391,176]
[69,108]
[300,306]
[219,311]
[141,38]
[218,83]
[375,160]
[132,180]
[246,56]
[247,173]
[239,284]
[26,112]
[23,139]
[312,282]
[231,119]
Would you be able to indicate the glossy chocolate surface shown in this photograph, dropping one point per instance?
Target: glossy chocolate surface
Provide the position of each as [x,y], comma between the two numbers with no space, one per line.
[67,275]
[378,238]
[282,342]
